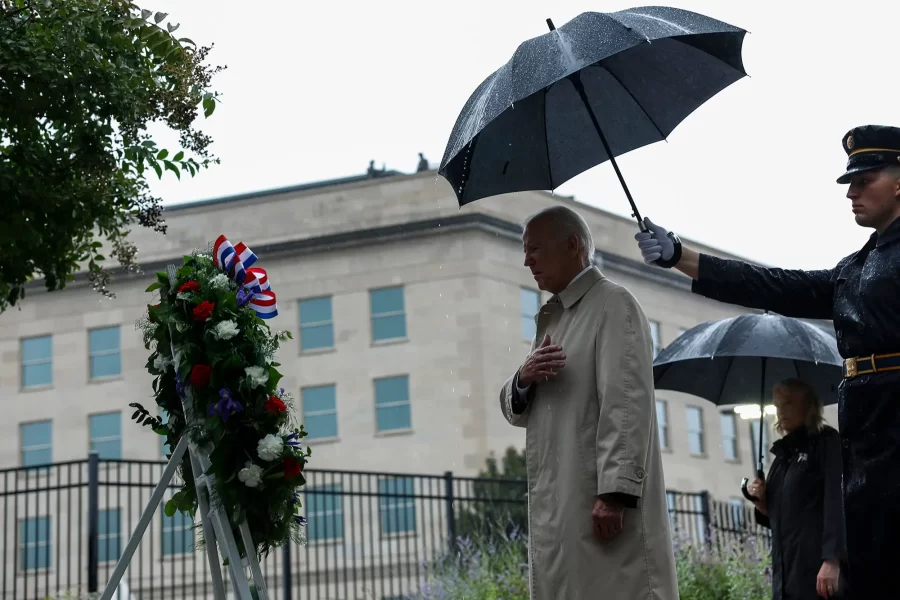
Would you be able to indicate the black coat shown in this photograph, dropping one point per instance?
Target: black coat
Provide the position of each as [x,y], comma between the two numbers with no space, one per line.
[803,500]
[862,296]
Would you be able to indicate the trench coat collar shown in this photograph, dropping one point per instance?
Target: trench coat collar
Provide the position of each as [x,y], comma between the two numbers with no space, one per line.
[891,234]
[795,440]
[579,287]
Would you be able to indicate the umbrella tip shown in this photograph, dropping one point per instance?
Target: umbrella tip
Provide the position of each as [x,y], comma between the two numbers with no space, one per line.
[551,25]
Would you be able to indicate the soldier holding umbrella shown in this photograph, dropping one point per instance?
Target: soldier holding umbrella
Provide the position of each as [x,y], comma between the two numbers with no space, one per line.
[861,295]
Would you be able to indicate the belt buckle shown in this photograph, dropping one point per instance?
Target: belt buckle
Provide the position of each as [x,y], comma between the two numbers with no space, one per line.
[850,365]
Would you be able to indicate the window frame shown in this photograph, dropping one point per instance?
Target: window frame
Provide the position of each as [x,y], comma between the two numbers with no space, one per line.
[373,316]
[23,364]
[319,413]
[314,324]
[93,354]
[393,404]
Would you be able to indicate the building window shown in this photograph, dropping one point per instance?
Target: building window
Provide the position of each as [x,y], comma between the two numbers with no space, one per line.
[397,505]
[37,443]
[37,361]
[729,436]
[695,430]
[177,534]
[106,352]
[106,435]
[388,314]
[109,538]
[702,527]
[392,406]
[325,513]
[529,305]
[320,411]
[737,512]
[754,435]
[662,423]
[34,543]
[316,324]
[654,335]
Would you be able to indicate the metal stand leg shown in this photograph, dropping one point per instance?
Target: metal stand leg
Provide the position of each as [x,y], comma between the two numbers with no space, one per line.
[209,536]
[155,498]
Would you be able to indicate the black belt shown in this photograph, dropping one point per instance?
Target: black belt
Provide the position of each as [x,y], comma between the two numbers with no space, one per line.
[871,364]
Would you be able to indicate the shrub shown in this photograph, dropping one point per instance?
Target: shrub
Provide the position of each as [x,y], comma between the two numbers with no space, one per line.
[496,568]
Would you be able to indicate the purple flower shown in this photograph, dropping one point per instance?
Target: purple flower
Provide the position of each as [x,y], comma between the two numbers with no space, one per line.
[300,519]
[293,440]
[226,406]
[243,297]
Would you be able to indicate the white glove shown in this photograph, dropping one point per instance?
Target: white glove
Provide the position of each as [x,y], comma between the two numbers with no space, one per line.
[655,244]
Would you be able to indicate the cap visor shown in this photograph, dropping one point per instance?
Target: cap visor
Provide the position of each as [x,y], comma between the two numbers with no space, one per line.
[845,178]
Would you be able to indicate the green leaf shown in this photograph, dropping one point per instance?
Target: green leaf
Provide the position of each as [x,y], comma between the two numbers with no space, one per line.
[171,509]
[145,14]
[170,166]
[160,16]
[162,277]
[172,28]
[158,170]
[209,106]
[162,154]
[154,286]
[178,157]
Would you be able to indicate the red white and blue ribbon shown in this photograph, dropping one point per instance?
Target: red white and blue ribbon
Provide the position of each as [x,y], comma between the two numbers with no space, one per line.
[236,261]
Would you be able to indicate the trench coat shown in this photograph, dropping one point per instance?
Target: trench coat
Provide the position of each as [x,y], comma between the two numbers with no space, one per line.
[592,432]
[803,505]
[861,295]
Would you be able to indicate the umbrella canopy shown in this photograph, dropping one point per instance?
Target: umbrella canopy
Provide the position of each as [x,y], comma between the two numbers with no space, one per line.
[601,85]
[738,360]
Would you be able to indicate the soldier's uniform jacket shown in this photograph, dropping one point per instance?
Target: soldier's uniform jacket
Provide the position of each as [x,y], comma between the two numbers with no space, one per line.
[862,297]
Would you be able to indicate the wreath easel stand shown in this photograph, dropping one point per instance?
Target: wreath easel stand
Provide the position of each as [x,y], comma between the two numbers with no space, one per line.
[217,529]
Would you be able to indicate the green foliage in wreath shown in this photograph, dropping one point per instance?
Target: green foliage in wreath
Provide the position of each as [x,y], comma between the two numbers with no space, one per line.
[224,368]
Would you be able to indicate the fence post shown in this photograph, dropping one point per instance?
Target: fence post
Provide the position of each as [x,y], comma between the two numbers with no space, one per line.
[704,509]
[451,516]
[286,574]
[93,521]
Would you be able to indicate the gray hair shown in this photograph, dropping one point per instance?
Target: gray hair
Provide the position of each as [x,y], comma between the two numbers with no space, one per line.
[815,420]
[568,222]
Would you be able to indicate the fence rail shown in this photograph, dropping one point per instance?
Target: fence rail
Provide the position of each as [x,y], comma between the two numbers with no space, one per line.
[370,535]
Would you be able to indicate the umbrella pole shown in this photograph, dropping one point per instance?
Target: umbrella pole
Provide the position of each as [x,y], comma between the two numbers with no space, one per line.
[579,87]
[760,472]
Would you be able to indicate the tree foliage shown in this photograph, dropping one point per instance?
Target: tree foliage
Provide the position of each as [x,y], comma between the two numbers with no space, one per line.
[80,82]
[496,505]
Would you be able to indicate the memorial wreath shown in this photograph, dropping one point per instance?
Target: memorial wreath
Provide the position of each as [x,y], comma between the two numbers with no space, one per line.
[213,349]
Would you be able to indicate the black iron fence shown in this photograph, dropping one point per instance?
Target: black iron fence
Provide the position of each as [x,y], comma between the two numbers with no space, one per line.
[370,535]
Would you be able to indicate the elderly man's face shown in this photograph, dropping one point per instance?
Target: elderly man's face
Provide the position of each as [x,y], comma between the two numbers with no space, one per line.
[551,257]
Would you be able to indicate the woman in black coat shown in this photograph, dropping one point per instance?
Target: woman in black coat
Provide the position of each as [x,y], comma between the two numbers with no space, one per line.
[800,499]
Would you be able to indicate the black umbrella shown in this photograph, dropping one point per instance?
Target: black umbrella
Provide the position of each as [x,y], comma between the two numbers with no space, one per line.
[729,361]
[601,85]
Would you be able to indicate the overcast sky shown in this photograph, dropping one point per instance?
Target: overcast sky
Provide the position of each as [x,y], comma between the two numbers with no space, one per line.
[314,90]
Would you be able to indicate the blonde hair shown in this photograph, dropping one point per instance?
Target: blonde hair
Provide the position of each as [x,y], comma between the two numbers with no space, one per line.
[815,420]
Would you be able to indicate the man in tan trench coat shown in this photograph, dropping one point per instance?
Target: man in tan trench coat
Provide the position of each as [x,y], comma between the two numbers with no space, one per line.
[597,518]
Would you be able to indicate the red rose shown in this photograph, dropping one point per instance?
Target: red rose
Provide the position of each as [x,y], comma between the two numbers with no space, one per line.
[275,405]
[292,467]
[200,375]
[203,311]
[189,286]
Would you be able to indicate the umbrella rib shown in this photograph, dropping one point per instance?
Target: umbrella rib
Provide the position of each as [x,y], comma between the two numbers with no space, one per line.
[724,379]
[622,85]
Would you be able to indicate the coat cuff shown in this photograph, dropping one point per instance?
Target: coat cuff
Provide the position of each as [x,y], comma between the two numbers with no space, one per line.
[761,519]
[626,500]
[630,481]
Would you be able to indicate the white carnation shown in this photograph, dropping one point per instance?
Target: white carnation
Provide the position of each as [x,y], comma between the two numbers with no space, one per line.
[219,282]
[225,330]
[257,375]
[270,447]
[250,475]
[161,363]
